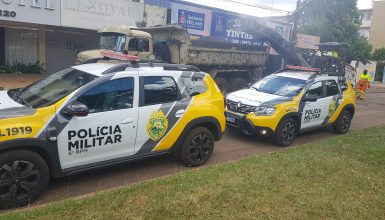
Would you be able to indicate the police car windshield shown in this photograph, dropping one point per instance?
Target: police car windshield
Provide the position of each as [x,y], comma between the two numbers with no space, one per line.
[280,85]
[53,88]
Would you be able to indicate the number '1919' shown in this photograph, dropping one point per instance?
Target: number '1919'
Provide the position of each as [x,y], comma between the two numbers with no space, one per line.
[15,131]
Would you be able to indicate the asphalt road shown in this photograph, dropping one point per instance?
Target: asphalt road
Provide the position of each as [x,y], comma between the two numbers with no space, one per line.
[232,147]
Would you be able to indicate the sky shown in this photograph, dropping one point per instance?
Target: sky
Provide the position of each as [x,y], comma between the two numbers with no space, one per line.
[285,5]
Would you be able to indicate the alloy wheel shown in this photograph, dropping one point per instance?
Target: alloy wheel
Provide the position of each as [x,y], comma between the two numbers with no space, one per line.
[200,147]
[288,132]
[18,180]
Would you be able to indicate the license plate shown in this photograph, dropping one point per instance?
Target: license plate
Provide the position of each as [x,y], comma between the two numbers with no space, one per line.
[230,119]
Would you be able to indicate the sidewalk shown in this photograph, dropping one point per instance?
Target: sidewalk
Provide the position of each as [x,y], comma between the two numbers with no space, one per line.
[10,81]
[378,85]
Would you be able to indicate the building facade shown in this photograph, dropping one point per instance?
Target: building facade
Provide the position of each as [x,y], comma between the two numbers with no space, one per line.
[366,16]
[377,30]
[50,33]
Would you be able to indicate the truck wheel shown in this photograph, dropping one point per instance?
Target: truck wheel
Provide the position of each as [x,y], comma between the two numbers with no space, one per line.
[238,83]
[24,175]
[222,84]
[197,147]
[342,125]
[285,133]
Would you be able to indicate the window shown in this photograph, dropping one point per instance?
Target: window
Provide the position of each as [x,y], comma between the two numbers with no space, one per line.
[109,96]
[113,41]
[332,88]
[194,85]
[159,89]
[280,85]
[139,44]
[316,89]
[52,88]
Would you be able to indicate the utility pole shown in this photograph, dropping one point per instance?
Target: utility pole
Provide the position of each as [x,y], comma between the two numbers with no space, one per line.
[293,37]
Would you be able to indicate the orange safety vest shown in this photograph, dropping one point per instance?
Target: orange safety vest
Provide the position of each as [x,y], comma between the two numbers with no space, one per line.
[363,83]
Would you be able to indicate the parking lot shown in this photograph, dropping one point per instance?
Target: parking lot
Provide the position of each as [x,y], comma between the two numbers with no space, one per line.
[232,147]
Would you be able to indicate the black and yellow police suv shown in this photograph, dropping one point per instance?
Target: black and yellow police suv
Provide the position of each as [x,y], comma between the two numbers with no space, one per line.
[292,101]
[101,114]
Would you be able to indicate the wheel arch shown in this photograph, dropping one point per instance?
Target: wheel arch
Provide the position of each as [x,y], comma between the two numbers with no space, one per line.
[46,151]
[351,108]
[210,123]
[293,115]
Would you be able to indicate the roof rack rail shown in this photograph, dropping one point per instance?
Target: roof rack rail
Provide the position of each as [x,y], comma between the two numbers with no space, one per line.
[134,62]
[166,67]
[180,67]
[333,74]
[302,68]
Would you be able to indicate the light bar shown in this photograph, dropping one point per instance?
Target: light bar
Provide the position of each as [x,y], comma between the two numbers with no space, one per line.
[290,67]
[119,56]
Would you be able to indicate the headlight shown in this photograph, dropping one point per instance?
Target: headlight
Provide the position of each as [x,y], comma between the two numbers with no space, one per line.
[264,111]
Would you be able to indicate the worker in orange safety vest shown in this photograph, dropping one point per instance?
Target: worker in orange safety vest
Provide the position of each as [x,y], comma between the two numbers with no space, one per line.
[362,85]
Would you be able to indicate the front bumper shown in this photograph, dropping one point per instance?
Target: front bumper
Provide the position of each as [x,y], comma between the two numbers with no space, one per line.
[241,123]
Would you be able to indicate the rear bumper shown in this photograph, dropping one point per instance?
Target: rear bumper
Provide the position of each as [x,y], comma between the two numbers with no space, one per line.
[241,123]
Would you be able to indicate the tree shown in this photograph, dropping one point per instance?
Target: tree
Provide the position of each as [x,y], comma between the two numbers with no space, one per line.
[336,21]
[379,55]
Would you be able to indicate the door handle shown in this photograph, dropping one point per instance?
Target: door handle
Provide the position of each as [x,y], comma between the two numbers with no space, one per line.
[127,121]
[179,113]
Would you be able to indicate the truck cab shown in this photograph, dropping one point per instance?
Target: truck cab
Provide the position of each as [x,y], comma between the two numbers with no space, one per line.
[120,39]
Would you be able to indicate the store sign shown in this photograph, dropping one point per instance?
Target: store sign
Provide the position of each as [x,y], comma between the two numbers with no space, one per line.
[307,41]
[196,20]
[96,14]
[191,20]
[35,11]
[230,28]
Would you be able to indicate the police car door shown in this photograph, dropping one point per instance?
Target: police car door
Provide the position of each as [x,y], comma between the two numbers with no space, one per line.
[314,113]
[161,106]
[109,130]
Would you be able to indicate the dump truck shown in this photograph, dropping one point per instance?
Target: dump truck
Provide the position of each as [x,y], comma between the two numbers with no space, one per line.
[233,66]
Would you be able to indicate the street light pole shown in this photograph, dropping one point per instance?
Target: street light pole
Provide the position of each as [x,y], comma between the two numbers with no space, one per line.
[293,38]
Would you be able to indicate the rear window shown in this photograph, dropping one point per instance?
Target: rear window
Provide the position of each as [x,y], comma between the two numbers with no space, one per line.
[195,85]
[332,88]
[159,89]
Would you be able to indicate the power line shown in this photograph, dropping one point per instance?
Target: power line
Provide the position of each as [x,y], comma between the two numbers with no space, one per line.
[257,6]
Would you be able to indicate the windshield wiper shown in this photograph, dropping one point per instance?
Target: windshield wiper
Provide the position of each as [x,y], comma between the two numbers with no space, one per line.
[17,98]
[256,89]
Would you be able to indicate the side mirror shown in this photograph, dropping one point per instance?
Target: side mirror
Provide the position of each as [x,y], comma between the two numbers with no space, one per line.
[76,109]
[344,88]
[310,98]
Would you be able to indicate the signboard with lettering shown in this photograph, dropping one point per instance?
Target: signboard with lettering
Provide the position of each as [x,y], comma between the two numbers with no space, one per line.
[307,41]
[97,14]
[196,20]
[230,28]
[36,11]
[191,20]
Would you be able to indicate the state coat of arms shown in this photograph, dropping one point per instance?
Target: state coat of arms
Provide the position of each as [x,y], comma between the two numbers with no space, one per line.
[157,125]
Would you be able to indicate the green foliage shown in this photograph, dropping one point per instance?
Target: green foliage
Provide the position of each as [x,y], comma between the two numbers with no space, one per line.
[379,55]
[22,68]
[336,21]
[338,178]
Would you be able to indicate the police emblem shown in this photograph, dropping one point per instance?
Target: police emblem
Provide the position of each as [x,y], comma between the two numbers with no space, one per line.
[332,108]
[157,125]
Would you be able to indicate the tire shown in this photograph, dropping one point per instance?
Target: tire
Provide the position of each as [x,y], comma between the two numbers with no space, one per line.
[222,84]
[238,83]
[285,133]
[197,147]
[344,120]
[24,176]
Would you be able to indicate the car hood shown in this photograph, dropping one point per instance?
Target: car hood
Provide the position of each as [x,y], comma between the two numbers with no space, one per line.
[255,98]
[11,109]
